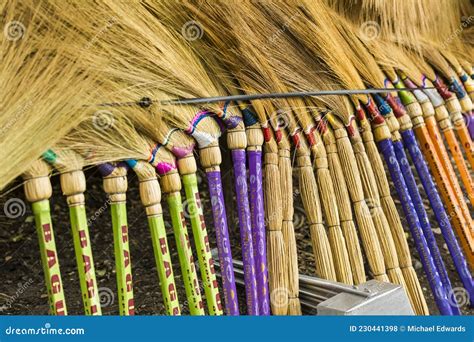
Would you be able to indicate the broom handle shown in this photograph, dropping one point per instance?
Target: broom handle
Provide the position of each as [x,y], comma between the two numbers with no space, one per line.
[49,257]
[466,142]
[243,208]
[447,194]
[258,225]
[185,254]
[386,147]
[122,258]
[201,239]
[424,221]
[164,265]
[223,242]
[470,124]
[439,211]
[84,259]
[463,170]
[451,178]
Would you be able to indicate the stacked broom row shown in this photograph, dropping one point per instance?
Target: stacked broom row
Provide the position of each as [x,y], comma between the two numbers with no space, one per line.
[405,69]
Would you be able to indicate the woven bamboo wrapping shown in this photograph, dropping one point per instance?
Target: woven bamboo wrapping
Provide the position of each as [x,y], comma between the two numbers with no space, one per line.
[329,204]
[362,212]
[413,287]
[312,205]
[380,221]
[291,254]
[277,274]
[345,210]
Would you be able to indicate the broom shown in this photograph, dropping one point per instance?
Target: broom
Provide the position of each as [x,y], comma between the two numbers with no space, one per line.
[106,145]
[286,178]
[416,226]
[308,187]
[142,149]
[456,103]
[237,142]
[185,17]
[73,185]
[150,194]
[440,213]
[115,185]
[351,173]
[448,184]
[254,152]
[38,191]
[33,119]
[165,51]
[406,132]
[286,64]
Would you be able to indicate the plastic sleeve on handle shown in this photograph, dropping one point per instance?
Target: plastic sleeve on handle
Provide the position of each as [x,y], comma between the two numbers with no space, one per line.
[84,259]
[123,263]
[49,257]
[185,254]
[223,242]
[258,230]
[243,208]
[439,211]
[164,265]
[206,263]
[424,221]
[386,147]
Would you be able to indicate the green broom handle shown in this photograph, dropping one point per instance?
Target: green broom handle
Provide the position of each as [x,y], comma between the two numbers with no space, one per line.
[206,262]
[164,264]
[49,257]
[84,259]
[186,259]
[122,258]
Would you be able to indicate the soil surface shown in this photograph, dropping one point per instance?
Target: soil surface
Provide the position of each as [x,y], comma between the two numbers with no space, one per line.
[22,288]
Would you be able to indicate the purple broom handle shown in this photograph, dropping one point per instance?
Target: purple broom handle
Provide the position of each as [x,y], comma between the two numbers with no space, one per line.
[439,211]
[470,123]
[223,242]
[258,233]
[386,147]
[246,240]
[425,224]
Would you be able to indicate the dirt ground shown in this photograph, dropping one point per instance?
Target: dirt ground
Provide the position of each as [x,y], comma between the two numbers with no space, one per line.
[22,288]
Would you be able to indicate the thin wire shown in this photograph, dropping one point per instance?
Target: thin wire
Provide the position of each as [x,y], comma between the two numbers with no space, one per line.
[146,102]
